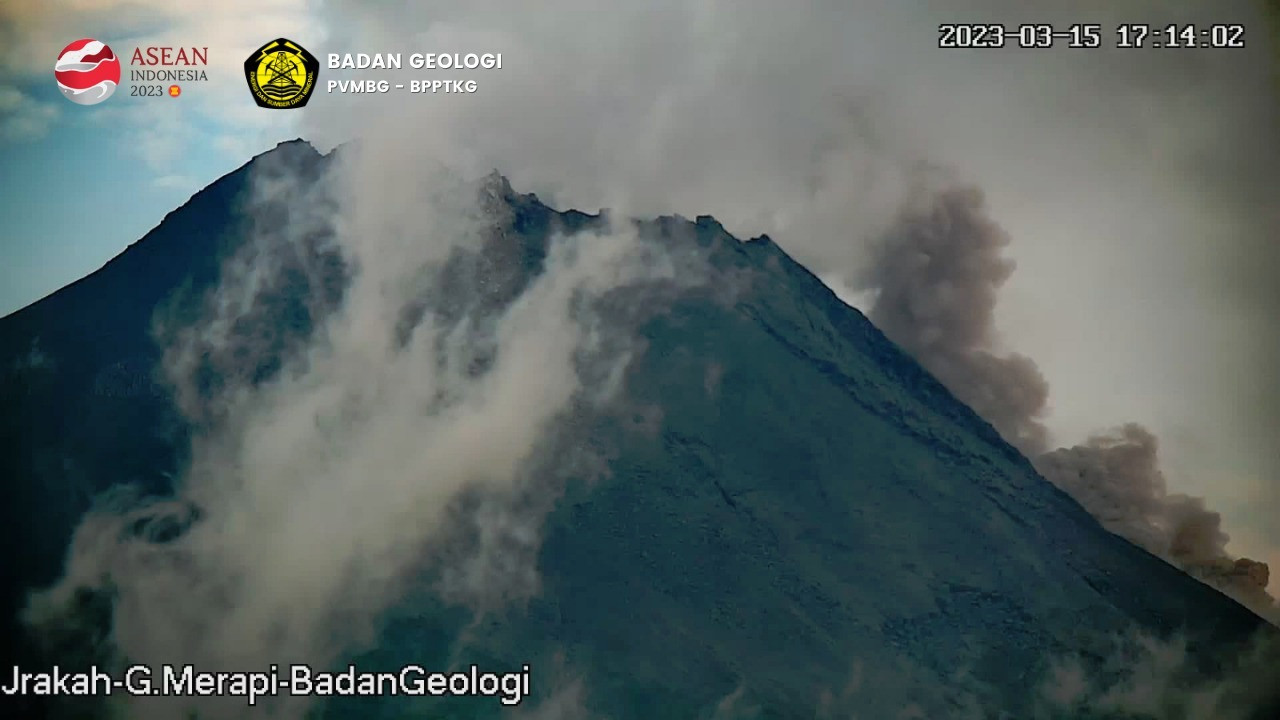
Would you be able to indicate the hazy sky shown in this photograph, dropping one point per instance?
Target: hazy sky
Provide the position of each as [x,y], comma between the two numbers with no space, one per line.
[129,159]
[1135,183]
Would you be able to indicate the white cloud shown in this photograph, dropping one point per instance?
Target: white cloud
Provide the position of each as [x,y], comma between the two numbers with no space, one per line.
[1136,185]
[796,121]
[23,118]
[321,490]
[216,113]
[176,182]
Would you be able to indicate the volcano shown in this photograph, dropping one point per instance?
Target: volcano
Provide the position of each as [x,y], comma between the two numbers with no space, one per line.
[796,521]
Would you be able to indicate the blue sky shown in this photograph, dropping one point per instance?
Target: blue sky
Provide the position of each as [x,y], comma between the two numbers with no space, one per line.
[84,168]
[130,160]
[1115,245]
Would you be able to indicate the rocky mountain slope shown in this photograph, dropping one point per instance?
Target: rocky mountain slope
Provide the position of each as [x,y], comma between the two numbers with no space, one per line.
[795,520]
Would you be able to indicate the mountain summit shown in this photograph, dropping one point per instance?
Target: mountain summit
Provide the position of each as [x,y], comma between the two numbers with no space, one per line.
[784,516]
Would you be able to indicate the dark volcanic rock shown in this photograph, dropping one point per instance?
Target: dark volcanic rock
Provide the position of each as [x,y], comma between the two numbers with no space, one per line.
[810,501]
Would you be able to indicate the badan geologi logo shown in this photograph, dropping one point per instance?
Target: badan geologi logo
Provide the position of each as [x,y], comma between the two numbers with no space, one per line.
[281,74]
[87,71]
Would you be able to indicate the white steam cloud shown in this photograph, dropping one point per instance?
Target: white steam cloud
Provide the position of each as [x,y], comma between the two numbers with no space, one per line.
[1137,183]
[316,490]
[1144,677]
[312,494]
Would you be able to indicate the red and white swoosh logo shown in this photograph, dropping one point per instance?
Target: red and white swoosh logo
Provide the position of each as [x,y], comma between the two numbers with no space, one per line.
[87,71]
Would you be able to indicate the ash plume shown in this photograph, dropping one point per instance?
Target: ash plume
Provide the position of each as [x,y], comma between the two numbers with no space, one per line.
[739,113]
[936,277]
[1157,167]
[1116,476]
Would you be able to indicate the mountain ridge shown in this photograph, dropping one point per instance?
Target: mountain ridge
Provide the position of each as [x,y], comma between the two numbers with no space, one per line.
[822,452]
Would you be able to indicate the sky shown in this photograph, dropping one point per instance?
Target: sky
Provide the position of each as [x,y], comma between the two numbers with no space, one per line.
[146,156]
[1134,183]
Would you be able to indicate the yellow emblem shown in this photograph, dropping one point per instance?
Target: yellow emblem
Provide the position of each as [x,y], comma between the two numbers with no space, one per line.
[281,75]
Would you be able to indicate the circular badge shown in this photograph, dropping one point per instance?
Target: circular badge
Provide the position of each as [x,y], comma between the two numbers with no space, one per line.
[87,71]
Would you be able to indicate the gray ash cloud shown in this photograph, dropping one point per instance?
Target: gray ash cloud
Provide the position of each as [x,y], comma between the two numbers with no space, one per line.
[936,276]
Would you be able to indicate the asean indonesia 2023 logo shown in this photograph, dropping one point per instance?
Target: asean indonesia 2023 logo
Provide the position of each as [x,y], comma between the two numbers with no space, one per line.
[281,74]
[87,71]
